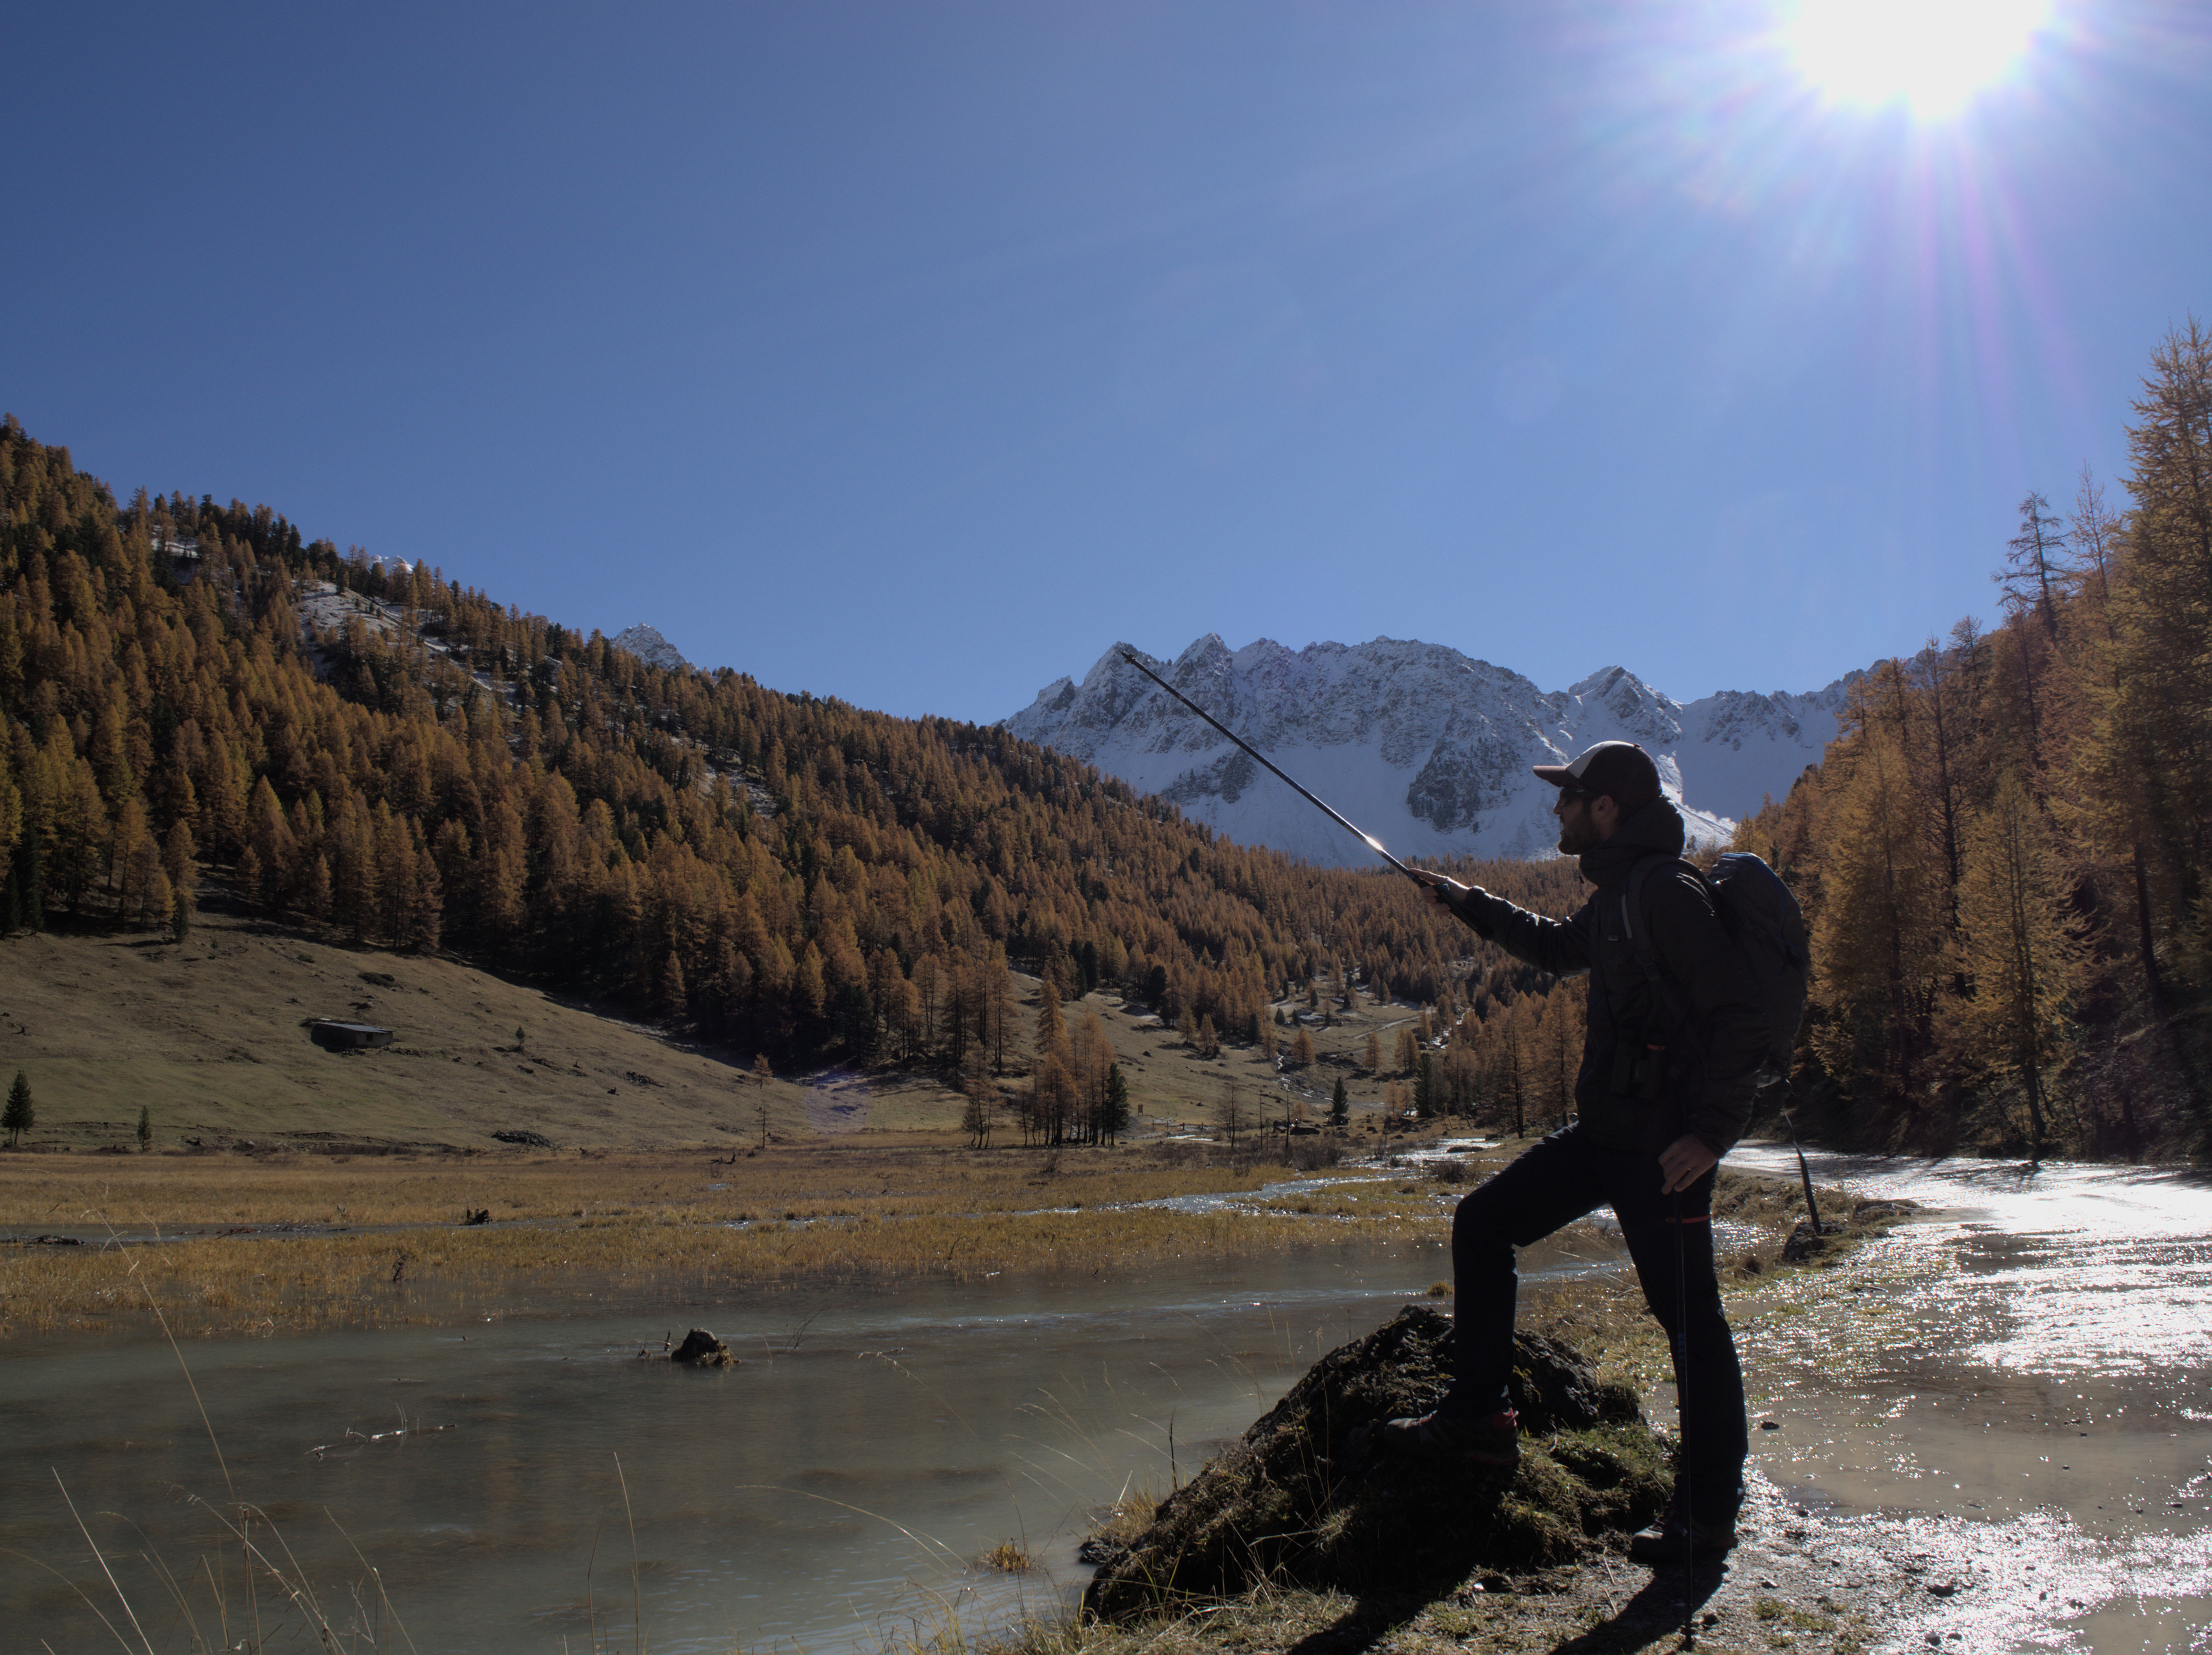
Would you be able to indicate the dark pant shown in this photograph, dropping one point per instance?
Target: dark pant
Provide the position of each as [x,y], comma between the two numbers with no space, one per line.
[1563,1179]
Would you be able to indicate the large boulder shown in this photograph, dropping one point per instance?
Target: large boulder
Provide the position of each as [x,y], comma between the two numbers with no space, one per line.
[701,1349]
[1309,1497]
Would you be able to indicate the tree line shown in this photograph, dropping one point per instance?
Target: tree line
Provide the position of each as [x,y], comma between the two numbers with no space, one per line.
[2003,859]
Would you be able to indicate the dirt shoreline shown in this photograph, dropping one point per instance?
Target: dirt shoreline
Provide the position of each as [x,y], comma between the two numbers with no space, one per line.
[1912,1487]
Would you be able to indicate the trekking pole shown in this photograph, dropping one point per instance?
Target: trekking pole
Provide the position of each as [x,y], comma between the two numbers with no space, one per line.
[1335,816]
[1686,1483]
[1805,1173]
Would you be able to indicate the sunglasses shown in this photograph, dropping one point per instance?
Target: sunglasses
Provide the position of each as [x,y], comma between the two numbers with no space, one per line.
[1568,795]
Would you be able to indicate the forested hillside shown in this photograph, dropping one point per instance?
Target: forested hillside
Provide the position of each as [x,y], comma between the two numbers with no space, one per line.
[195,703]
[2004,858]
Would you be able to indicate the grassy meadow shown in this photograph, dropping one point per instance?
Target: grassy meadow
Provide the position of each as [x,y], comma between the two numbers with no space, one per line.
[209,1036]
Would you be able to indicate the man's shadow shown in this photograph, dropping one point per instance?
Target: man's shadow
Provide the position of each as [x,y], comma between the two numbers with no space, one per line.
[1660,1609]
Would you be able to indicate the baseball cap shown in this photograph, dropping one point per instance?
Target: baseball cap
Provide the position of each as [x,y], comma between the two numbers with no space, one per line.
[1621,770]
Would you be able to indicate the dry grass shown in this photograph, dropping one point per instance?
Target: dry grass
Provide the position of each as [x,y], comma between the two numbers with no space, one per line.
[914,1175]
[1565,1611]
[209,1036]
[270,1244]
[629,1221]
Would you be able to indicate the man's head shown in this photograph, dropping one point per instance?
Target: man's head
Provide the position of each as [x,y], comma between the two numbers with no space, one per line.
[1599,790]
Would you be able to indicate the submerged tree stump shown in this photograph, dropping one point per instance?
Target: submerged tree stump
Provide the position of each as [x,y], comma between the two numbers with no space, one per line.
[1309,1496]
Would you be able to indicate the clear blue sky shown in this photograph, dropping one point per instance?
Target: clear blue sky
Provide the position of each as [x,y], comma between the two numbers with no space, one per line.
[913,353]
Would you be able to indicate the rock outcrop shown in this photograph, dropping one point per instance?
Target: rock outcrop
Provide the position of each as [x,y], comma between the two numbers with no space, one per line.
[648,646]
[701,1349]
[1309,1496]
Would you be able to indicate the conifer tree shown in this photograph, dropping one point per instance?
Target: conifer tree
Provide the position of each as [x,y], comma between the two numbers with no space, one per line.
[2162,708]
[1512,1086]
[1407,1050]
[2024,964]
[19,1117]
[1115,1119]
[179,859]
[2033,570]
[1051,1028]
[976,1116]
[675,997]
[1877,944]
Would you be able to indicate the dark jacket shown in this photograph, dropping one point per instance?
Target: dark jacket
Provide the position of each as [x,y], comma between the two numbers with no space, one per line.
[1704,1016]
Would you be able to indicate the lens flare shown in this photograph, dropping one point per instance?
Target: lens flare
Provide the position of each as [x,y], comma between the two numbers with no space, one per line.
[1932,56]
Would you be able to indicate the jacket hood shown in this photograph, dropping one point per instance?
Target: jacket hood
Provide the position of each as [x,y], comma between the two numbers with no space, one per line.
[1656,830]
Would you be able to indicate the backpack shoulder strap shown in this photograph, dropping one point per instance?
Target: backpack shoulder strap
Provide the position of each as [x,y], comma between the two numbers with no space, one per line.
[1636,921]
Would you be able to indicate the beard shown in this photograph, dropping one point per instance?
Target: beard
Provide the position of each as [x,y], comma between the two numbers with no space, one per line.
[1577,834]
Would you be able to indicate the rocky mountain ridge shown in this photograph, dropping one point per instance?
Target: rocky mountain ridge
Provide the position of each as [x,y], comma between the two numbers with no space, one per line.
[648,646]
[1426,748]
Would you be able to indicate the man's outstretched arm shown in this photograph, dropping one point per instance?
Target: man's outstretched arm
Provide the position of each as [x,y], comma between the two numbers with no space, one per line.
[1559,946]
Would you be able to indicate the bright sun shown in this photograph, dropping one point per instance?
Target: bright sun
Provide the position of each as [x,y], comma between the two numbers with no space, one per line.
[1932,55]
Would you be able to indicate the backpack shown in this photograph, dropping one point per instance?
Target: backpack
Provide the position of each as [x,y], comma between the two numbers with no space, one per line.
[1762,917]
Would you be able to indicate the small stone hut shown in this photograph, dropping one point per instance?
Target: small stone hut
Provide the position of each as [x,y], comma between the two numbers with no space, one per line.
[335,1036]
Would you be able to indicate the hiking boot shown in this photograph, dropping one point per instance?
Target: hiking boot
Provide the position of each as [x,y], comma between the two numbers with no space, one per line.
[1495,1441]
[1667,1541]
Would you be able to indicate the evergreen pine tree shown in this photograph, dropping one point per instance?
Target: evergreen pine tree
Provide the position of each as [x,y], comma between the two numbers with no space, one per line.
[19,1117]
[145,1129]
[1051,1028]
[675,996]
[1115,1121]
[976,1116]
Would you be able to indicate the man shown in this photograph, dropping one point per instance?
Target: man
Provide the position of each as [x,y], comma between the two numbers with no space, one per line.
[1669,1067]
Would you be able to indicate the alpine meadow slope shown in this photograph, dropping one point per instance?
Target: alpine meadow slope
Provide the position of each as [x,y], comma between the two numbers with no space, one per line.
[1425,748]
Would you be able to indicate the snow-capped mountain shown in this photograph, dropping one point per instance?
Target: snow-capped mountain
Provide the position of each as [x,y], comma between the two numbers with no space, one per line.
[648,646]
[1424,748]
